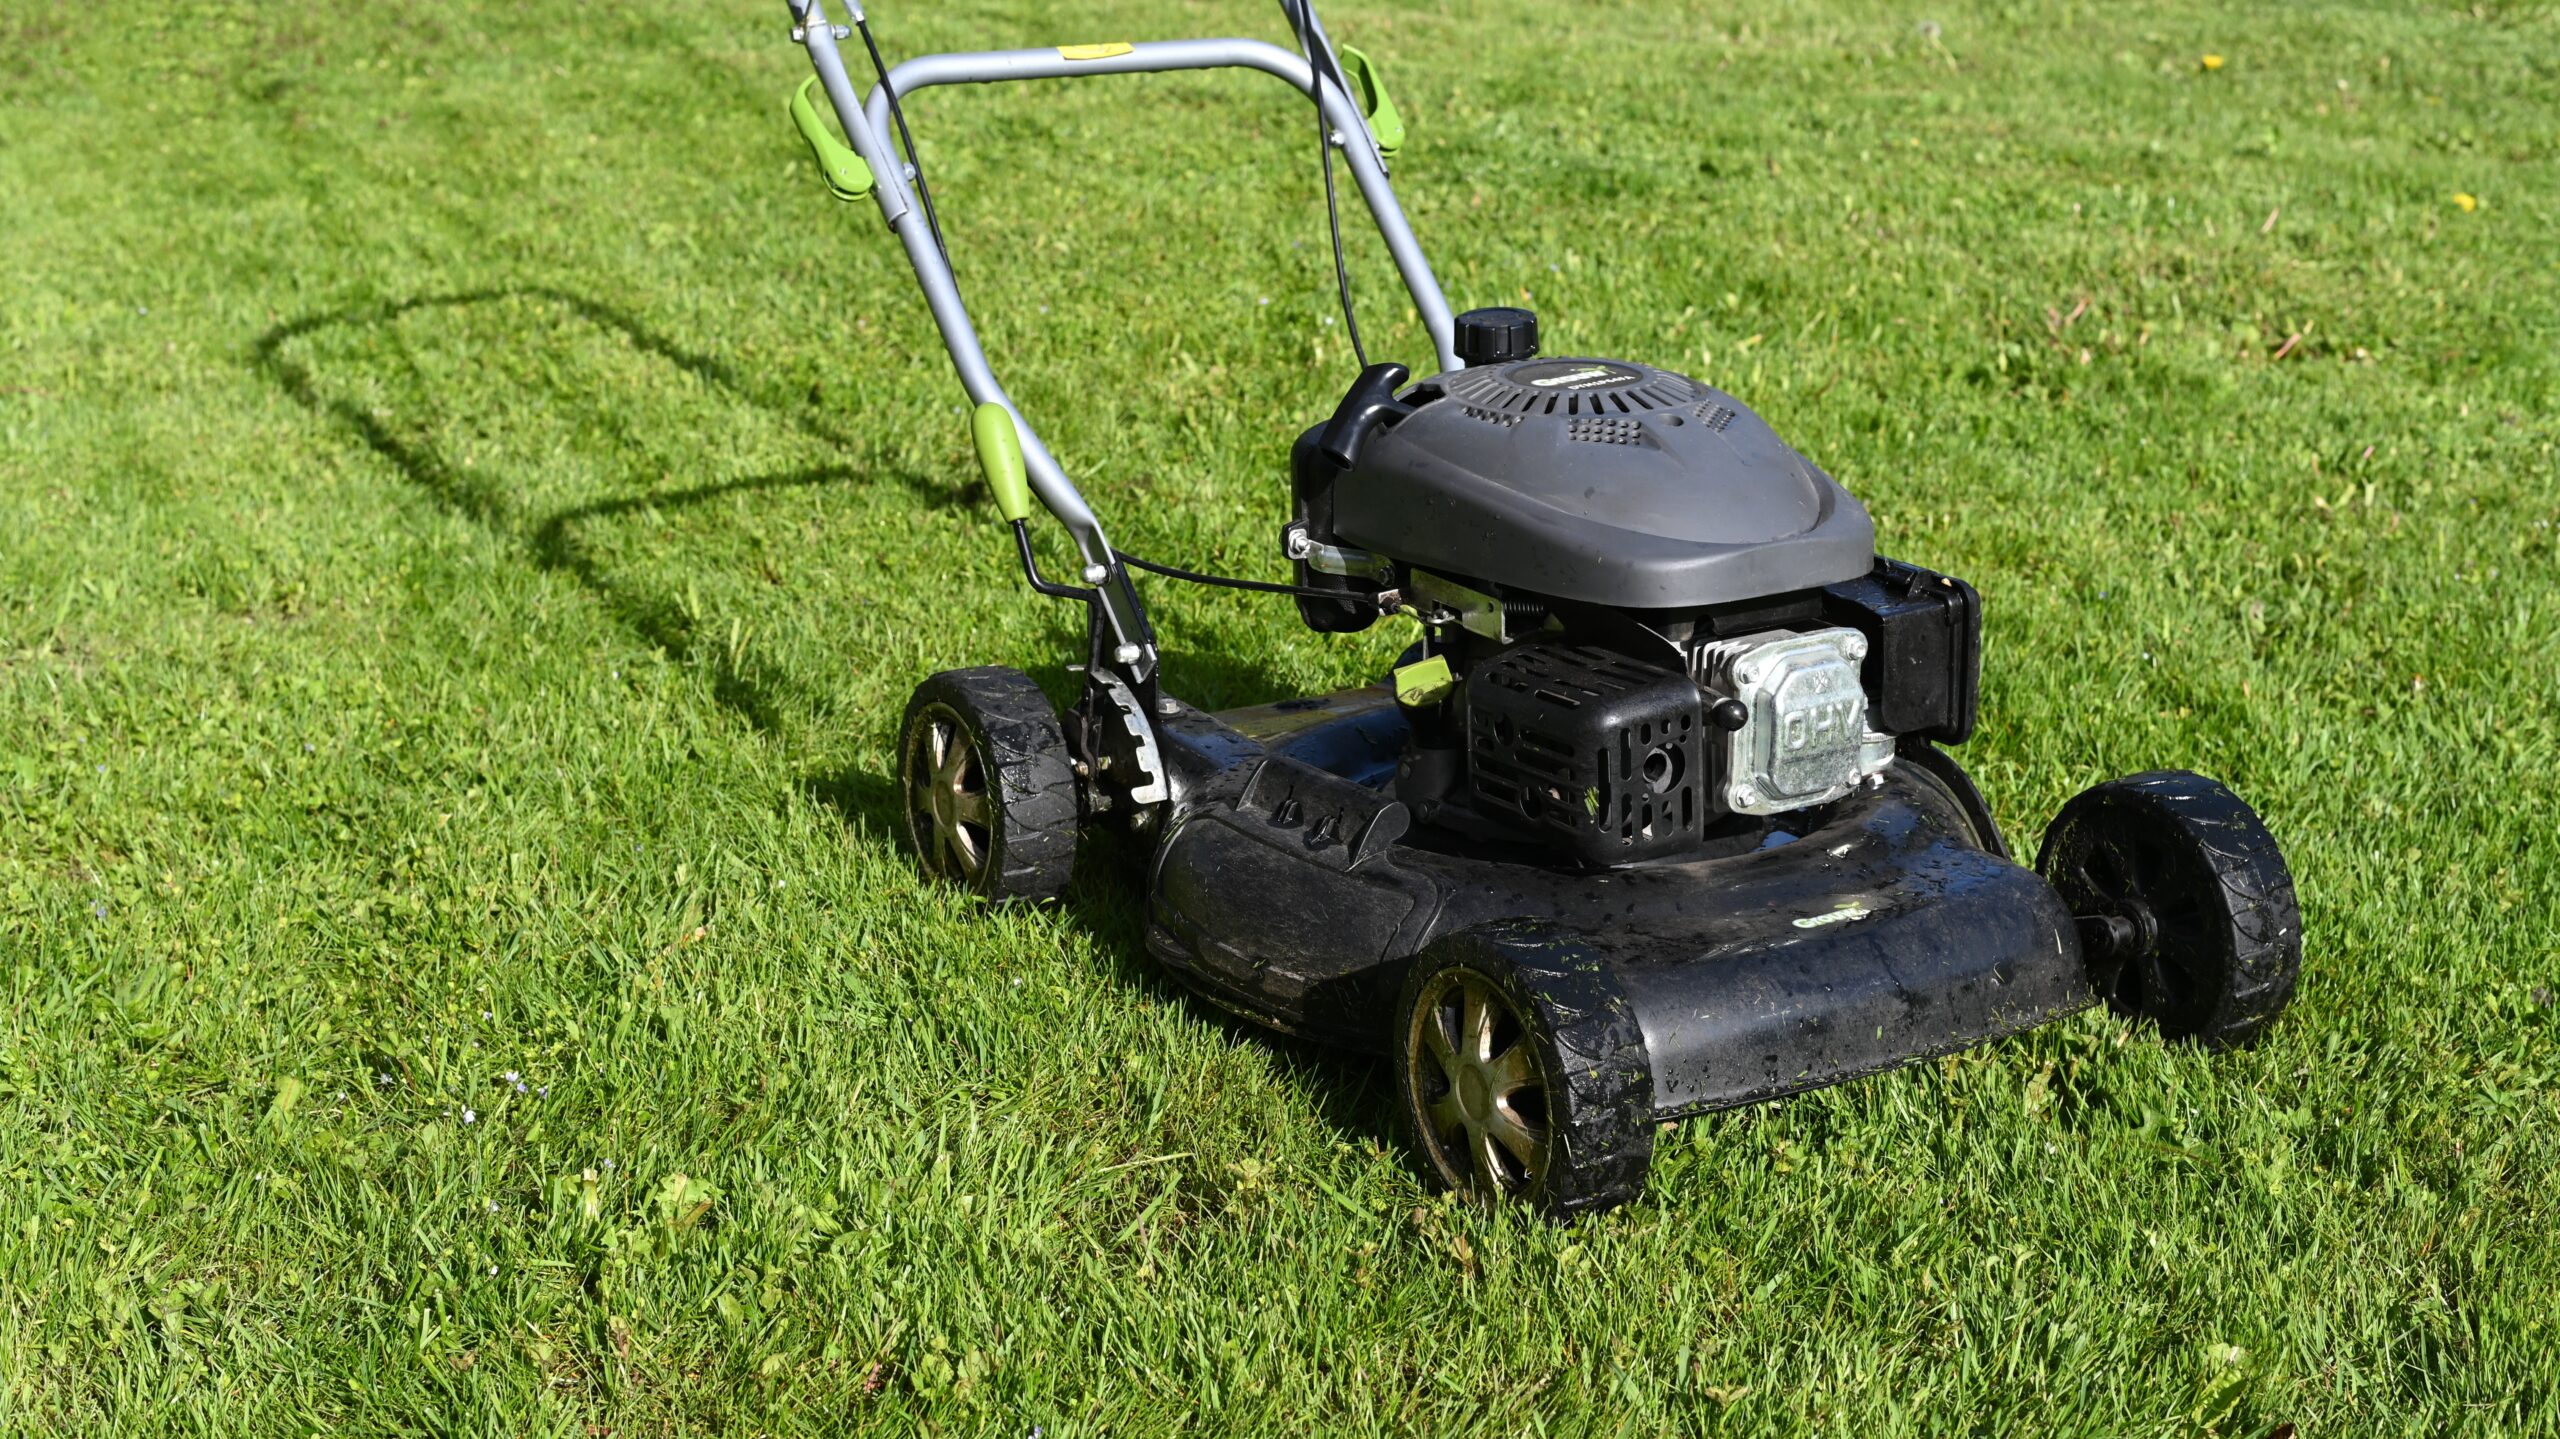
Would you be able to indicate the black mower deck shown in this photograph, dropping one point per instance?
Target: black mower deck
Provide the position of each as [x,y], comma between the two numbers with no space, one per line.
[1878,930]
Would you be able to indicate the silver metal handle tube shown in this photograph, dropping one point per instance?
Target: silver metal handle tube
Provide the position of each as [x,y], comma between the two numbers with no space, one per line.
[1152,56]
[1369,171]
[951,317]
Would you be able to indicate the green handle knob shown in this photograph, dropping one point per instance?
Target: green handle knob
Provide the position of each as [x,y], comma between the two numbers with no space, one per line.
[1369,91]
[846,176]
[1000,455]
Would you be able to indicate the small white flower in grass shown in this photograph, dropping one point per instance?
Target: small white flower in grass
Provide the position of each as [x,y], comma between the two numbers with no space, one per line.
[493,1206]
[493,1271]
[510,1076]
[546,1091]
[1265,300]
[469,1117]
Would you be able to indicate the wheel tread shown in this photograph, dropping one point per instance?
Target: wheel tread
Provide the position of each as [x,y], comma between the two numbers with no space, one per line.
[2254,885]
[1603,1124]
[1033,783]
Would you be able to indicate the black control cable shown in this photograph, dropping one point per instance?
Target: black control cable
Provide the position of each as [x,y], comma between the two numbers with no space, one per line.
[924,192]
[1227,582]
[1319,61]
[1320,65]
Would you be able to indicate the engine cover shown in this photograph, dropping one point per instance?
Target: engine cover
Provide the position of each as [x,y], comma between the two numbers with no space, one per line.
[1804,738]
[1598,481]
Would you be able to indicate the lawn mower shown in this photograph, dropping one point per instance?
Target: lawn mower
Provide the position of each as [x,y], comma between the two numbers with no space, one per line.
[1656,817]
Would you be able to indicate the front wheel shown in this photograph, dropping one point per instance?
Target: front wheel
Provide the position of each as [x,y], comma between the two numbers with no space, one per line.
[989,791]
[2186,908]
[1521,1072]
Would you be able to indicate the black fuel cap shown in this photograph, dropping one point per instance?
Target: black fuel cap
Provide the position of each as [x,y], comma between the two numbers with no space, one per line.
[1496,335]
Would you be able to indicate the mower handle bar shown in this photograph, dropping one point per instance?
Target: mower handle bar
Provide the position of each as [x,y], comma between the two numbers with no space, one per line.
[1146,57]
[868,128]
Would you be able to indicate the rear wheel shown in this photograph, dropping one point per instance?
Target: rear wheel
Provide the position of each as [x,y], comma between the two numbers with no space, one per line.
[1938,770]
[990,795]
[2187,911]
[1521,1072]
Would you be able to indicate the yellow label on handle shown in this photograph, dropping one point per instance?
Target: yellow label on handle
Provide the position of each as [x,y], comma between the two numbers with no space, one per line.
[1103,51]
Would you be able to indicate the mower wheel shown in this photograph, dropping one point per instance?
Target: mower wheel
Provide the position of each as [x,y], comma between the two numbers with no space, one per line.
[2187,911]
[989,795]
[1938,770]
[1521,1073]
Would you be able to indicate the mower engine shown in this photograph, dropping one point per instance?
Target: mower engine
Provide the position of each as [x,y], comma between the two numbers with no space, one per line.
[1650,624]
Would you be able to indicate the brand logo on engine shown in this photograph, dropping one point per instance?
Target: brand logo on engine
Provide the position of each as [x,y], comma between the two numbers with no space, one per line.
[1821,725]
[1581,378]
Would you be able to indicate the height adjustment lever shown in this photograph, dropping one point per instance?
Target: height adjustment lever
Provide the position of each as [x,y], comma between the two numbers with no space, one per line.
[1369,402]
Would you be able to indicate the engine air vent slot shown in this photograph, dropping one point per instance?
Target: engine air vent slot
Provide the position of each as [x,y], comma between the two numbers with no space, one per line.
[1606,430]
[1534,387]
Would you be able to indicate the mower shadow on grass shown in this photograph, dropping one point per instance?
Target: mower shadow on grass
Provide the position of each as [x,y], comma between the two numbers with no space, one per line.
[758,693]
[764,695]
[1350,1092]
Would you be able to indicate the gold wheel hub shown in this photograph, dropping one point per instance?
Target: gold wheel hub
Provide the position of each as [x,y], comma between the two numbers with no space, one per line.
[1479,1087]
[947,793]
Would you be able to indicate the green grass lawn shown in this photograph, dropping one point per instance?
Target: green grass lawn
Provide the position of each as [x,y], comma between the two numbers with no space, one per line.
[471,509]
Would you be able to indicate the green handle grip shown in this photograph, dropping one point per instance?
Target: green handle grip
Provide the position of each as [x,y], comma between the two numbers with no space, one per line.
[1369,92]
[846,176]
[1000,455]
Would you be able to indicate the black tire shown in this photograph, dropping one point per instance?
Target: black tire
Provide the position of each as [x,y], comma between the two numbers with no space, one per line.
[2187,912]
[1559,1112]
[987,792]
